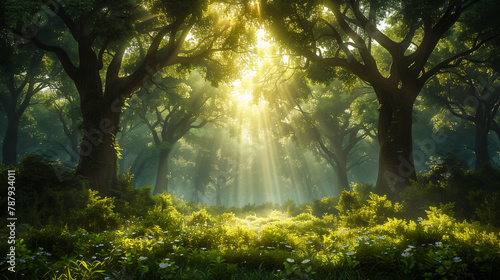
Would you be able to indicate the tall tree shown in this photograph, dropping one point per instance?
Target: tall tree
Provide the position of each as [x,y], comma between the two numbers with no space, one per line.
[347,38]
[177,107]
[476,100]
[21,77]
[105,33]
[332,123]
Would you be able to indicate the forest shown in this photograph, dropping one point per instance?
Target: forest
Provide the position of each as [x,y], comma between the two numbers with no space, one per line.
[250,139]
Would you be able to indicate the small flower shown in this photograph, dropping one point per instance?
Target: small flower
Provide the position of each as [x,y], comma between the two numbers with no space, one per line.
[306,261]
[107,278]
[164,265]
[345,247]
[94,257]
[159,242]
[290,260]
[405,254]
[411,247]
[419,220]
[381,238]
[438,244]
[119,250]
[457,259]
[21,260]
[350,253]
[310,242]
[143,258]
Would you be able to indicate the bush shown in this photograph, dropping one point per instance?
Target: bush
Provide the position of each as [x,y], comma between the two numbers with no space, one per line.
[348,201]
[52,239]
[376,211]
[47,194]
[131,201]
[326,205]
[200,218]
[97,216]
[164,214]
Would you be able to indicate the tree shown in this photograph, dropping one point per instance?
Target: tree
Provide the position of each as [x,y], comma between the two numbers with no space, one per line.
[346,38]
[474,100]
[332,123]
[177,107]
[62,103]
[105,75]
[21,77]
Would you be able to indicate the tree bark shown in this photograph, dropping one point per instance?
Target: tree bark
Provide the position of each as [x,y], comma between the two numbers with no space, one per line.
[396,166]
[98,157]
[162,173]
[9,147]
[342,180]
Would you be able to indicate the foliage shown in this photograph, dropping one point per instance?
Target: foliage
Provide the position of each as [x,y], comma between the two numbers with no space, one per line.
[98,215]
[132,201]
[48,191]
[325,206]
[334,237]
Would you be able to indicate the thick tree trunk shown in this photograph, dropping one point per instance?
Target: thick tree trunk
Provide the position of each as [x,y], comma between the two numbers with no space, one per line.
[162,174]
[481,138]
[9,148]
[342,181]
[98,155]
[396,166]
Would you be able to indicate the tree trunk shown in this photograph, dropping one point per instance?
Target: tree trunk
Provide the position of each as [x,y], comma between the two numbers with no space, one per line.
[309,185]
[217,195]
[342,181]
[9,148]
[162,173]
[396,166]
[98,156]
[196,195]
[481,138]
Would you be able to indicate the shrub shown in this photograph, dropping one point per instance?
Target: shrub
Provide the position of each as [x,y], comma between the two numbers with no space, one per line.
[376,211]
[47,194]
[52,239]
[348,201]
[131,201]
[164,214]
[200,218]
[326,205]
[98,215]
[363,190]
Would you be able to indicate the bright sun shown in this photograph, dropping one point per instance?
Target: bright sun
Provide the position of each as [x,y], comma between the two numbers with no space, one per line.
[241,88]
